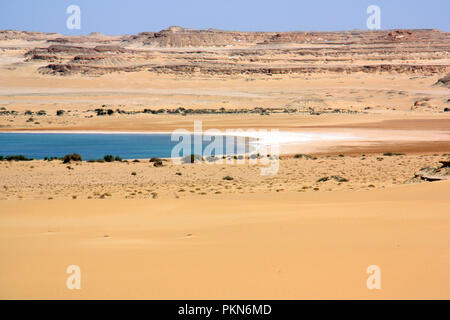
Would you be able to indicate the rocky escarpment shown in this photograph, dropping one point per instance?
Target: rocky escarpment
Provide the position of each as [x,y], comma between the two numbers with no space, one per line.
[214,52]
[26,35]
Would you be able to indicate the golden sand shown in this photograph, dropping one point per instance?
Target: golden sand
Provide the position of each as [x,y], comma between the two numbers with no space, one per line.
[290,246]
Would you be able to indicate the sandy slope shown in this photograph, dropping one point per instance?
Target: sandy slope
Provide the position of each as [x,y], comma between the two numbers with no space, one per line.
[292,246]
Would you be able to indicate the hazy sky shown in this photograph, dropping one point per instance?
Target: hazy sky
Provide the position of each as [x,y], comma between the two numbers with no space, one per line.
[133,16]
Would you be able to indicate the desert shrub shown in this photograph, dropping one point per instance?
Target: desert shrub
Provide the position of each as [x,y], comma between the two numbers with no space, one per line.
[50,158]
[41,113]
[117,158]
[108,158]
[59,112]
[136,160]
[71,157]
[253,156]
[228,178]
[100,160]
[336,178]
[133,173]
[192,158]
[155,160]
[339,178]
[91,160]
[301,155]
[100,112]
[19,157]
[389,154]
[211,158]
[157,164]
[1,158]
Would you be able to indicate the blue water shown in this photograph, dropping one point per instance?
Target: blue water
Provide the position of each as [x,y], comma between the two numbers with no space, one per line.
[90,145]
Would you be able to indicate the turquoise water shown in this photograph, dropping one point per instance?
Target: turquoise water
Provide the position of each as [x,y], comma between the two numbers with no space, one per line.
[91,145]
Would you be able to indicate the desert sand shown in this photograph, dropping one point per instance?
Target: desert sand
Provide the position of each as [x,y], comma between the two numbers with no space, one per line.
[288,246]
[183,231]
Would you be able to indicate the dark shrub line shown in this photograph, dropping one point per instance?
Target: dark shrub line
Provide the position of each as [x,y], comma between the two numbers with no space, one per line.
[389,154]
[15,157]
[304,156]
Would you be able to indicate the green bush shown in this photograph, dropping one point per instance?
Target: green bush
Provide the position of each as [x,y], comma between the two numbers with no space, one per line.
[19,157]
[71,157]
[109,158]
[301,155]
[117,158]
[1,158]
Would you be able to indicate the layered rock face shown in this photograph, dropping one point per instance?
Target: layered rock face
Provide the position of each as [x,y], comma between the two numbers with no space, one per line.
[214,52]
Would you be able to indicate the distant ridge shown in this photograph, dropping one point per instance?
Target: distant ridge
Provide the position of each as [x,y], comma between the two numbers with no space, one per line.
[213,52]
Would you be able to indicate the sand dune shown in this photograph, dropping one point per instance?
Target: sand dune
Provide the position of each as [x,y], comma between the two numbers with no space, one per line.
[289,246]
